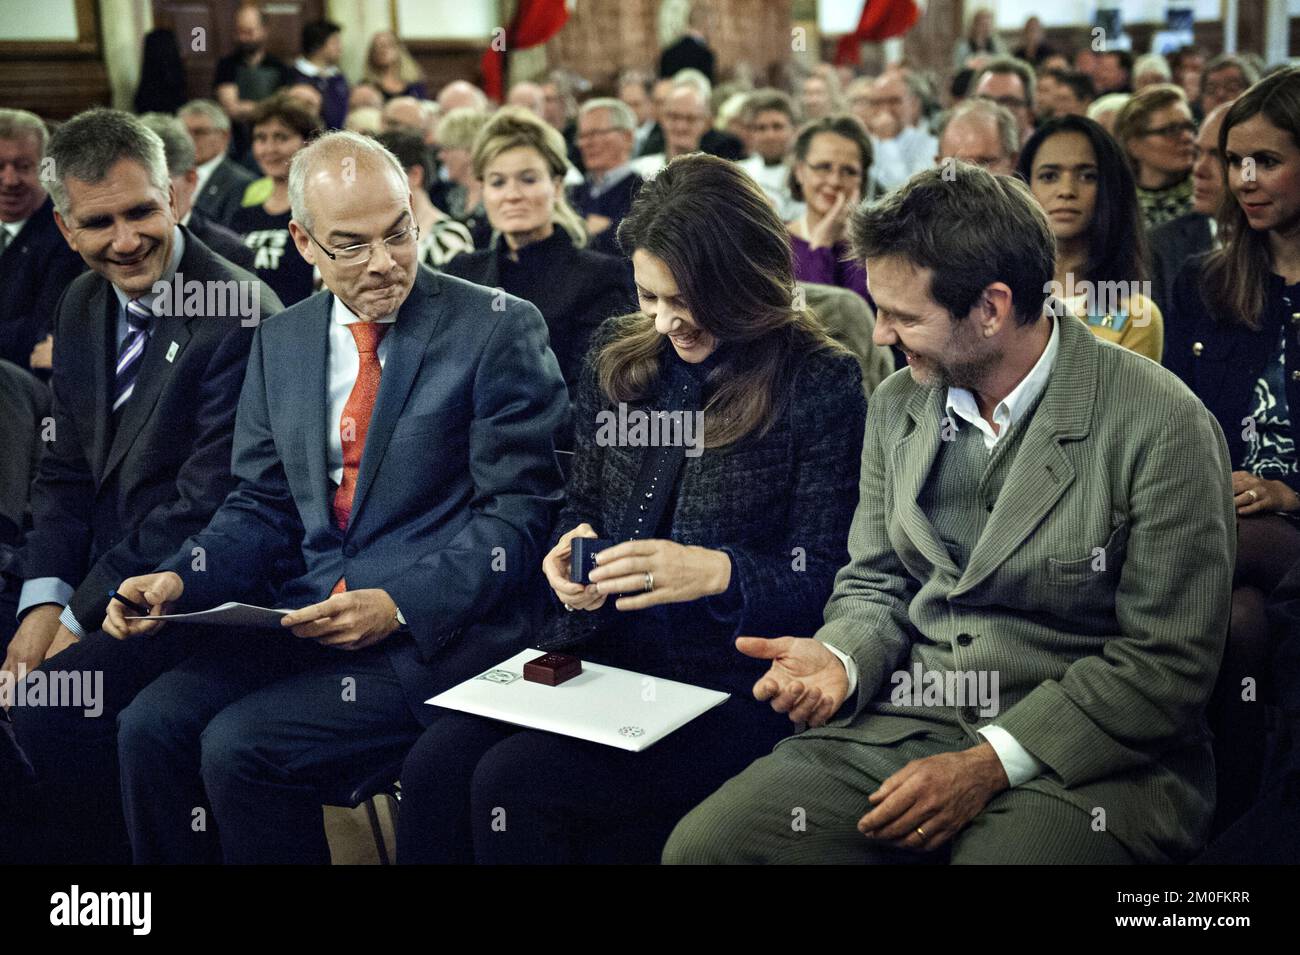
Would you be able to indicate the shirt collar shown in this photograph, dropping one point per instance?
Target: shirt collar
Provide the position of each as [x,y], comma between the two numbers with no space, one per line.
[610,179]
[961,402]
[178,250]
[307,68]
[342,315]
[13,228]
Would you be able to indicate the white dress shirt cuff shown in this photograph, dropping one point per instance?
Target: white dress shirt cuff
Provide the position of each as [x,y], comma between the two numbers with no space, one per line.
[850,668]
[1018,763]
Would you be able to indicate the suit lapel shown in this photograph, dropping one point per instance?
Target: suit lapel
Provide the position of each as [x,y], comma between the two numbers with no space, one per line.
[417,320]
[310,404]
[103,352]
[1041,472]
[913,457]
[155,370]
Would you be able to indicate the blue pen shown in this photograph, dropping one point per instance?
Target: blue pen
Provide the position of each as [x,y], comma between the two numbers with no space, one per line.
[142,611]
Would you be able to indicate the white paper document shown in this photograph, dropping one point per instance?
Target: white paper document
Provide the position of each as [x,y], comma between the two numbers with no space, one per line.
[601,704]
[229,614]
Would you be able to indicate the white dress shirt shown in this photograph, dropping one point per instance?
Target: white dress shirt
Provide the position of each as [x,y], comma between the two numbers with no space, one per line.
[204,172]
[1017,762]
[894,161]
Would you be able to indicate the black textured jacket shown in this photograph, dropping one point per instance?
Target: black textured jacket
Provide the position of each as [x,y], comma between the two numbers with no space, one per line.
[1222,361]
[779,505]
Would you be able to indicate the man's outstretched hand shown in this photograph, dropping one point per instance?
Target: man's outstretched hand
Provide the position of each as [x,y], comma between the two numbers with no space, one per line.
[806,680]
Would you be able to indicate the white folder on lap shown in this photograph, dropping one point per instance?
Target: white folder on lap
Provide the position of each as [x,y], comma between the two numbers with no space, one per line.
[601,704]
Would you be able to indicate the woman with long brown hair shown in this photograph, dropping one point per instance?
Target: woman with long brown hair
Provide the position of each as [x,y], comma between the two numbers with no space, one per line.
[736,529]
[1234,338]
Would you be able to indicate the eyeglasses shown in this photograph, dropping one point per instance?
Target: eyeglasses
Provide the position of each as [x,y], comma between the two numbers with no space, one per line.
[592,133]
[1172,131]
[1228,88]
[362,251]
[1010,102]
[824,170]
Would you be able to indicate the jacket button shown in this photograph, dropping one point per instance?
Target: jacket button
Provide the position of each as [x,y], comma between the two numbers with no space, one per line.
[970,714]
[964,639]
[1197,348]
[349,550]
[1295,376]
[1295,317]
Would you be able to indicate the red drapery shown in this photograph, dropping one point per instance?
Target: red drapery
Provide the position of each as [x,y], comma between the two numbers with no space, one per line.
[880,20]
[535,22]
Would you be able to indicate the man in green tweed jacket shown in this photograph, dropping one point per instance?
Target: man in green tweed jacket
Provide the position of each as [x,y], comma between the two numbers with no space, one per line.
[1015,661]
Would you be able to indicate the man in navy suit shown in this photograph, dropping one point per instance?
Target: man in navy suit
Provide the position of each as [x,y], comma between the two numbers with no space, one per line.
[395,437]
[36,265]
[136,459]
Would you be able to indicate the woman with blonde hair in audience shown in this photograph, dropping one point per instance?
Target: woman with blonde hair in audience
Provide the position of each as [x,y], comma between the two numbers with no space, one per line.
[538,247]
[391,69]
[1081,179]
[1236,343]
[686,567]
[1158,134]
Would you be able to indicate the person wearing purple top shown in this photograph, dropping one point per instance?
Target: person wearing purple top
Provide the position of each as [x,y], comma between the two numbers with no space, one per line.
[319,67]
[832,160]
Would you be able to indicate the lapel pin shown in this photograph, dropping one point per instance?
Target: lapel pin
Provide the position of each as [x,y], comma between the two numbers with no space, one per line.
[171,352]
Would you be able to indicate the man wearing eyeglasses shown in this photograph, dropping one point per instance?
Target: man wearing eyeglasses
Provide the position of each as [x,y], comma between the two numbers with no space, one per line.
[891,110]
[396,480]
[1010,82]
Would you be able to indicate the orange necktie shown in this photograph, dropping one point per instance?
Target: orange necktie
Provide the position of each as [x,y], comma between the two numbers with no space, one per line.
[356,419]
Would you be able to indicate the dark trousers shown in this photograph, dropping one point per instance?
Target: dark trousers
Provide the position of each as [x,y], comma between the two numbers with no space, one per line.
[230,755]
[475,790]
[73,812]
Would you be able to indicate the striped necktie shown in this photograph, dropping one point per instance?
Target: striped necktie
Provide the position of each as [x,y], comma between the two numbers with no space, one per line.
[131,354]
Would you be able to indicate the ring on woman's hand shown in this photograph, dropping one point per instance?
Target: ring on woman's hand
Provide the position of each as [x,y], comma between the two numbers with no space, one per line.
[567,607]
[1253,496]
[920,832]
[649,581]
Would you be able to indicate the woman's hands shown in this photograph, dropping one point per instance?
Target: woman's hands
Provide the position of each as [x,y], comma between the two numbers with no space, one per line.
[556,568]
[830,229]
[680,573]
[1255,495]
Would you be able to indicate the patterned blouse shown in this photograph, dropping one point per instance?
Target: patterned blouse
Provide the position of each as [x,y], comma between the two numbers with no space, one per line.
[1270,448]
[1160,205]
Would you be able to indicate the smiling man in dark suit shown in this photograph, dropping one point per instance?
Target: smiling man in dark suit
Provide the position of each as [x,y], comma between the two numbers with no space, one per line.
[36,265]
[143,416]
[395,436]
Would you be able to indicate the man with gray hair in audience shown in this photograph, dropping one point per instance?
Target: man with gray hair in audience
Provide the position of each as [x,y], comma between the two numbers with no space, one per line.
[982,133]
[606,129]
[901,143]
[36,265]
[769,115]
[147,374]
[402,587]
[221,181]
[180,168]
